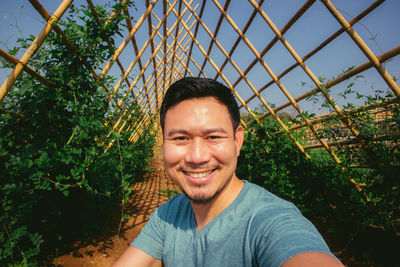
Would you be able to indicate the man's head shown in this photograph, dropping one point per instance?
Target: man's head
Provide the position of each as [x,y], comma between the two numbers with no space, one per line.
[189,88]
[202,139]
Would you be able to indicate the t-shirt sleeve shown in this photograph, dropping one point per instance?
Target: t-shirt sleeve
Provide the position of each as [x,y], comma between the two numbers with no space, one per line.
[284,234]
[151,238]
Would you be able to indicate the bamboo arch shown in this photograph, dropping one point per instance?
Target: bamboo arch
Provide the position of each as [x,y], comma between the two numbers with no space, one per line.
[181,43]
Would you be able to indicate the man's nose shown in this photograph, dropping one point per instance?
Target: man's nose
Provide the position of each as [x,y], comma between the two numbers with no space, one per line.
[198,152]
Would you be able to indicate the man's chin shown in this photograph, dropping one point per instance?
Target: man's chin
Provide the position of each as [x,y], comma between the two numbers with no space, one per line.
[201,199]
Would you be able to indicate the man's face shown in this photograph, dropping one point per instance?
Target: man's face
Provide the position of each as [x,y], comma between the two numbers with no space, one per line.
[201,148]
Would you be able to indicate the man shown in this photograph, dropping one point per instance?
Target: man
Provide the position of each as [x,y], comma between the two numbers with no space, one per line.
[220,220]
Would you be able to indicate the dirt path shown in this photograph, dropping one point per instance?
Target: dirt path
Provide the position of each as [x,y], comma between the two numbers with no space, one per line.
[147,195]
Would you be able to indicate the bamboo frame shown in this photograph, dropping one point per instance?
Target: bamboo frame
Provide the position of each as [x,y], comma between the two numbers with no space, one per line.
[98,21]
[215,34]
[45,15]
[277,82]
[318,48]
[195,35]
[367,65]
[119,83]
[249,84]
[329,116]
[33,48]
[145,67]
[174,57]
[363,47]
[127,39]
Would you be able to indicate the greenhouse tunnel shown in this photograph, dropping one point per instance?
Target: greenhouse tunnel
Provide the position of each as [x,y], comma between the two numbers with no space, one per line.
[316,82]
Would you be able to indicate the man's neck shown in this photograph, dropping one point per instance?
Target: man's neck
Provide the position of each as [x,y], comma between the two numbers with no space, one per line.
[205,213]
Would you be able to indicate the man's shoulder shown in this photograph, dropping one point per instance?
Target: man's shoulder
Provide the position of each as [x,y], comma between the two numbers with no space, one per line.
[262,198]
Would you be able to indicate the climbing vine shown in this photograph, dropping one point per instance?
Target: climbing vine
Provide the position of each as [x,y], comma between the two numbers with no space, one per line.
[57,182]
[321,187]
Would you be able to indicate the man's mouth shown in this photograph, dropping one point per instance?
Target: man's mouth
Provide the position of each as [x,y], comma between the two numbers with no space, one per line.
[199,177]
[199,174]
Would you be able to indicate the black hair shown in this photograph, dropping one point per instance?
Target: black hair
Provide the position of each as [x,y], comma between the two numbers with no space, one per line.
[190,87]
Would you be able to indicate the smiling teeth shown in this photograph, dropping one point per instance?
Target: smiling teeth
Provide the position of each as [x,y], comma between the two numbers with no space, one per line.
[199,174]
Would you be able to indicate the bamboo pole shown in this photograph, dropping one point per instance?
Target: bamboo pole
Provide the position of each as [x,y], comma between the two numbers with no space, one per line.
[45,15]
[367,65]
[179,57]
[127,39]
[354,142]
[134,83]
[136,125]
[318,48]
[195,36]
[149,23]
[327,96]
[155,71]
[111,143]
[217,69]
[175,39]
[215,34]
[137,135]
[146,93]
[33,48]
[12,114]
[165,40]
[149,61]
[316,81]
[331,115]
[278,83]
[244,30]
[10,58]
[157,75]
[194,62]
[154,53]
[98,21]
[288,25]
[249,84]
[183,49]
[363,46]
[134,44]
[43,12]
[116,87]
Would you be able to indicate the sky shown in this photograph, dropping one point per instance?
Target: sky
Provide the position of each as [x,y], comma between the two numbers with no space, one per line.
[379,30]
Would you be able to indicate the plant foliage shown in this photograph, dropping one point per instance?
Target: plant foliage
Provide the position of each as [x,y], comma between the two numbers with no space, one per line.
[320,187]
[56,181]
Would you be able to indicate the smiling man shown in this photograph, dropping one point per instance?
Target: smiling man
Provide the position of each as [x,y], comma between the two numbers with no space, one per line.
[220,220]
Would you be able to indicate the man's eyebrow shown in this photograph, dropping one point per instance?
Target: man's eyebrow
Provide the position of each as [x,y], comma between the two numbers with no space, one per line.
[215,130]
[206,131]
[176,131]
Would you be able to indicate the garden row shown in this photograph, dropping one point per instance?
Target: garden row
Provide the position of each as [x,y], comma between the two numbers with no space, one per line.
[57,183]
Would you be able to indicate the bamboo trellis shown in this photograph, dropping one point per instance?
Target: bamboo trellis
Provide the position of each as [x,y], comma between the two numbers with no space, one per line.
[182,41]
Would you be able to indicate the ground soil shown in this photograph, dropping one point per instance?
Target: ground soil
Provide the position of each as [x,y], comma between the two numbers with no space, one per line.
[156,188]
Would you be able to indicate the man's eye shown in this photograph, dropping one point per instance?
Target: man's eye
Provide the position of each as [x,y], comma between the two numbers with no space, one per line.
[180,138]
[213,137]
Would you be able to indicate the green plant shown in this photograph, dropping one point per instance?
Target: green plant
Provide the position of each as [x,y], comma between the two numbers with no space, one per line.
[56,181]
[319,187]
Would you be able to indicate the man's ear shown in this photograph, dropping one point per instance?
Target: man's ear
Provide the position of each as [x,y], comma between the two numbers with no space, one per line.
[239,135]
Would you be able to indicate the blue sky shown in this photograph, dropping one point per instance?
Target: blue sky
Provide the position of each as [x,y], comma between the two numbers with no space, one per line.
[379,30]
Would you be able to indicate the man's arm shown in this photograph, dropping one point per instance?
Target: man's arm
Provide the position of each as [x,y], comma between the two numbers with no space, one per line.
[136,257]
[312,259]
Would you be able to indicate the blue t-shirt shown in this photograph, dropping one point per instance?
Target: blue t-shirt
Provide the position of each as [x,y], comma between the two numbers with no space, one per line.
[256,229]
